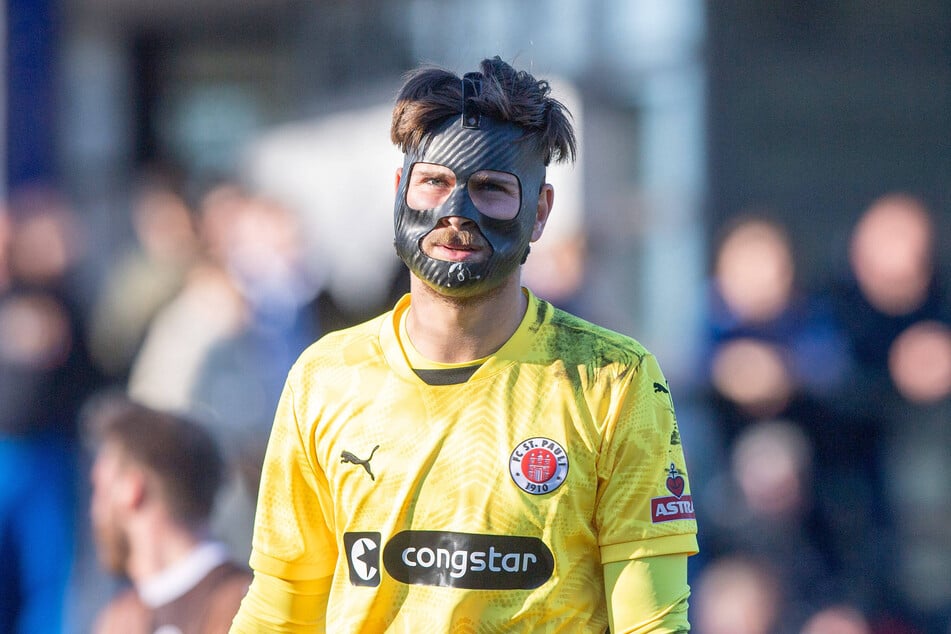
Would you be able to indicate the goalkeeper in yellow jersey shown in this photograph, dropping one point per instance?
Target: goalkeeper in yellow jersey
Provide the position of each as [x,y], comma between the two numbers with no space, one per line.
[474,460]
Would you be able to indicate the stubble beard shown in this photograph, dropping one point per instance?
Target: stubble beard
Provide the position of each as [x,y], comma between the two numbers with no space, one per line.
[113,548]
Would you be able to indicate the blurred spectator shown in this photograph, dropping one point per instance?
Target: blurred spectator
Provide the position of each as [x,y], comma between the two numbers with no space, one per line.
[240,380]
[891,254]
[837,619]
[737,595]
[892,285]
[154,481]
[769,337]
[919,362]
[146,277]
[772,465]
[919,469]
[898,317]
[45,375]
[778,353]
[767,511]
[208,308]
[221,348]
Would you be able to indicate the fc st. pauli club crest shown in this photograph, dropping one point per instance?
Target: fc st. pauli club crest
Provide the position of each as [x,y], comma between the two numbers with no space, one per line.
[538,465]
[673,507]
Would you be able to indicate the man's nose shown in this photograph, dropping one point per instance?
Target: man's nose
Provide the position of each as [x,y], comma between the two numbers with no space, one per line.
[456,222]
[460,205]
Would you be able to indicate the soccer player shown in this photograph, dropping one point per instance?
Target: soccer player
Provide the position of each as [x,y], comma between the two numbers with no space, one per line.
[474,460]
[154,481]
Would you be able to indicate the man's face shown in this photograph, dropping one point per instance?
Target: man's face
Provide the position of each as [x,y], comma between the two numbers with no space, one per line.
[106,509]
[494,194]
[466,207]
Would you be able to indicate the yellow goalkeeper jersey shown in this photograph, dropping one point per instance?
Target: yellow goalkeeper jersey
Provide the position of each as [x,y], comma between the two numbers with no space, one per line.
[483,506]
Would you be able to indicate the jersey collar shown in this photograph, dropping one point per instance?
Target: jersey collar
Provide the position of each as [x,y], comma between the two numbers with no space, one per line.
[515,349]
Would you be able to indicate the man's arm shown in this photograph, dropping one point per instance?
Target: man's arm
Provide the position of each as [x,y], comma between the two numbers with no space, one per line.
[645,517]
[278,606]
[647,596]
[293,551]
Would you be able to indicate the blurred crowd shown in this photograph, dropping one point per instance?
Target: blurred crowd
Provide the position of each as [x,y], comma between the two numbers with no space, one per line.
[816,435]
[201,315]
[820,435]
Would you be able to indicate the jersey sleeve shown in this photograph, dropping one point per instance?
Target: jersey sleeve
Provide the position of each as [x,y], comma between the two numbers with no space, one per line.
[644,506]
[293,529]
[276,606]
[647,596]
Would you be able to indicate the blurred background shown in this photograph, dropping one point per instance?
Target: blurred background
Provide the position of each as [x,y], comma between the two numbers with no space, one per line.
[193,191]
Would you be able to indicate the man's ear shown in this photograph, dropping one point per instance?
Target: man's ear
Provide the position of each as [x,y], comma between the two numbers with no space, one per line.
[546,198]
[132,487]
[399,175]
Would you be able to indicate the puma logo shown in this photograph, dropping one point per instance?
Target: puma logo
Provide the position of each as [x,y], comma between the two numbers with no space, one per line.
[658,387]
[346,456]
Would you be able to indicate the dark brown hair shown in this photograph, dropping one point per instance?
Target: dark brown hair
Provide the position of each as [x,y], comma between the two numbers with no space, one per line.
[182,456]
[430,95]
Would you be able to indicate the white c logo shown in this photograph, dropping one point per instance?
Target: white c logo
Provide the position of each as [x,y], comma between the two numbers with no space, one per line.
[358,551]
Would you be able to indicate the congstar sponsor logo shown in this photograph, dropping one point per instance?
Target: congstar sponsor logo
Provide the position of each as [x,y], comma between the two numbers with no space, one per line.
[462,560]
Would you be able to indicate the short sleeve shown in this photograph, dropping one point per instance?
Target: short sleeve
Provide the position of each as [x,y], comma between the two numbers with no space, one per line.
[293,528]
[644,506]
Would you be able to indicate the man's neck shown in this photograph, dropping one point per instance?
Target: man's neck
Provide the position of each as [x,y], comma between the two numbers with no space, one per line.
[453,330]
[154,546]
[182,576]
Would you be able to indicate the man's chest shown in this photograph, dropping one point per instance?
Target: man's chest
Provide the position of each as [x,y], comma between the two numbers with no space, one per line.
[500,451]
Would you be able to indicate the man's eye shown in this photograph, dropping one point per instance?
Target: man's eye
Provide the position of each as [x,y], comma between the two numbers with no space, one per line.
[494,187]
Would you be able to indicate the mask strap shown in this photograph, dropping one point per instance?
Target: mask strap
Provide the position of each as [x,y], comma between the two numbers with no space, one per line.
[471,88]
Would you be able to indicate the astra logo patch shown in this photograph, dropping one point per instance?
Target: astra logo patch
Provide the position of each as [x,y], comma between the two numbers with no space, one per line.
[668,509]
[675,507]
[538,465]
[468,560]
[363,558]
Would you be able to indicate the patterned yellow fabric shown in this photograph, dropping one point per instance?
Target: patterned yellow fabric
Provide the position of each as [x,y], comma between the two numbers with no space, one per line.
[487,506]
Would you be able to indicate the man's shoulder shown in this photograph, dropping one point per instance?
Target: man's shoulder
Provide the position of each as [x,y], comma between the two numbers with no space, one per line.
[231,572]
[574,336]
[229,582]
[124,614]
[340,346]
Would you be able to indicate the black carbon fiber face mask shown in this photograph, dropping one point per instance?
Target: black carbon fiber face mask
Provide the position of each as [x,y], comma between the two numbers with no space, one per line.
[466,151]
